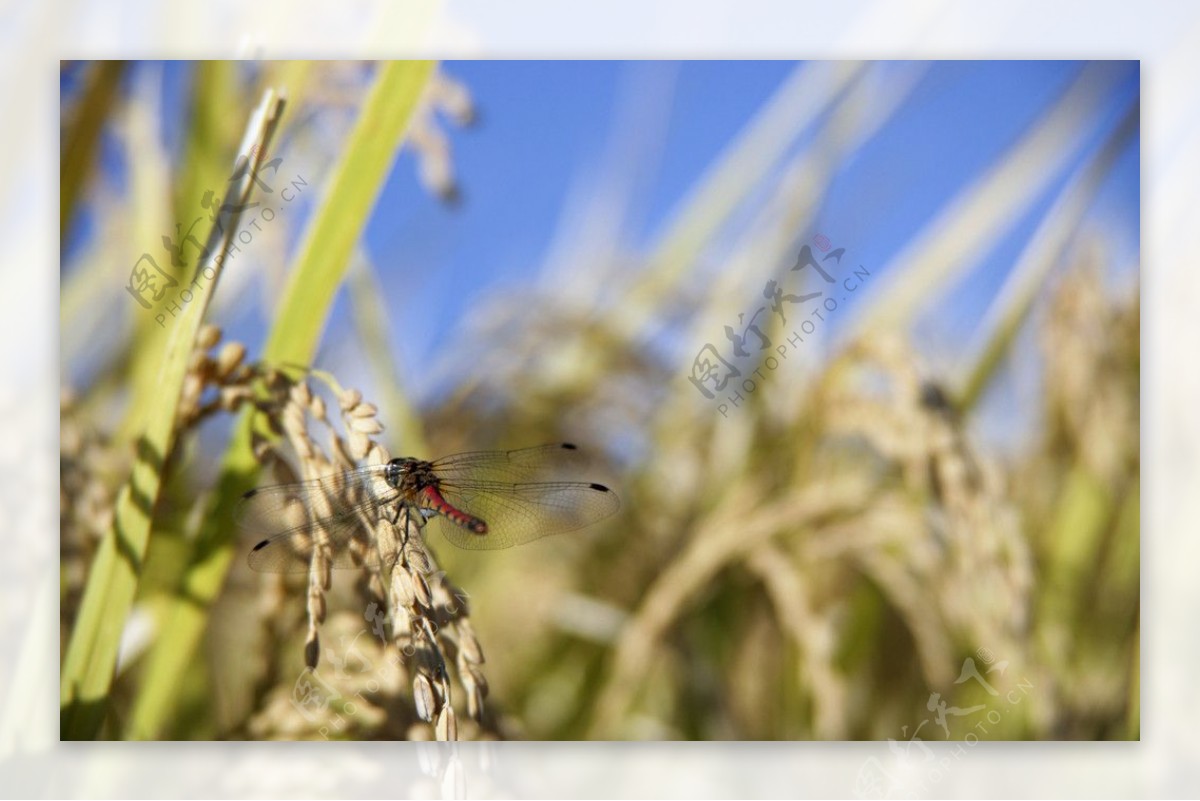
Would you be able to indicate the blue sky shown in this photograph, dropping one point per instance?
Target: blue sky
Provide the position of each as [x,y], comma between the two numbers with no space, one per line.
[547,128]
[551,130]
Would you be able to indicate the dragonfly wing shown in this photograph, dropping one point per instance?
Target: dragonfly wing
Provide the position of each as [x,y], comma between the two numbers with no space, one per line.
[517,513]
[292,551]
[559,461]
[288,520]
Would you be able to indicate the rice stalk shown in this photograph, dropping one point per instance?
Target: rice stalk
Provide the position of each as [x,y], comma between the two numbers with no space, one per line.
[91,656]
[727,535]
[971,222]
[425,615]
[81,136]
[1045,250]
[745,162]
[309,294]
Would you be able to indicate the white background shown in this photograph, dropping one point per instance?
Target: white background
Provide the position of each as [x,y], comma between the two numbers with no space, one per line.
[1164,35]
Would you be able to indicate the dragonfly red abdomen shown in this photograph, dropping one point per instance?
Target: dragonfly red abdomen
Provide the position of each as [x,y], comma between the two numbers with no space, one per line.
[433,499]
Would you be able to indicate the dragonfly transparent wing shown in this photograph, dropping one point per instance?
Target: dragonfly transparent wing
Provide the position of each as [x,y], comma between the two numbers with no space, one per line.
[288,520]
[560,461]
[520,512]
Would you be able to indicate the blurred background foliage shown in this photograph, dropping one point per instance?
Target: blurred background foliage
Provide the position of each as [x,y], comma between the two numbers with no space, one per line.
[924,521]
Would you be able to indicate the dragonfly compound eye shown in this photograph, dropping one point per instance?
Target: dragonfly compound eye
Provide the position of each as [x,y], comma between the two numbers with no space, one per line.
[396,470]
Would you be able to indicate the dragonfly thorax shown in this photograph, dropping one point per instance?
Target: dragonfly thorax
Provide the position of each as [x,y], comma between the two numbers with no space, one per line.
[410,474]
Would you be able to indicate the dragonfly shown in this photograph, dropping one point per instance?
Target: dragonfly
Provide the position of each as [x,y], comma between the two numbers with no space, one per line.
[477,500]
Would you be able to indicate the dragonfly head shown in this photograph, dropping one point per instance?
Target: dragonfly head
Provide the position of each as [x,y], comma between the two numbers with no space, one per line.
[397,470]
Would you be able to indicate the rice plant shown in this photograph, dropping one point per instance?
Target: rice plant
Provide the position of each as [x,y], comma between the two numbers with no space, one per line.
[839,553]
